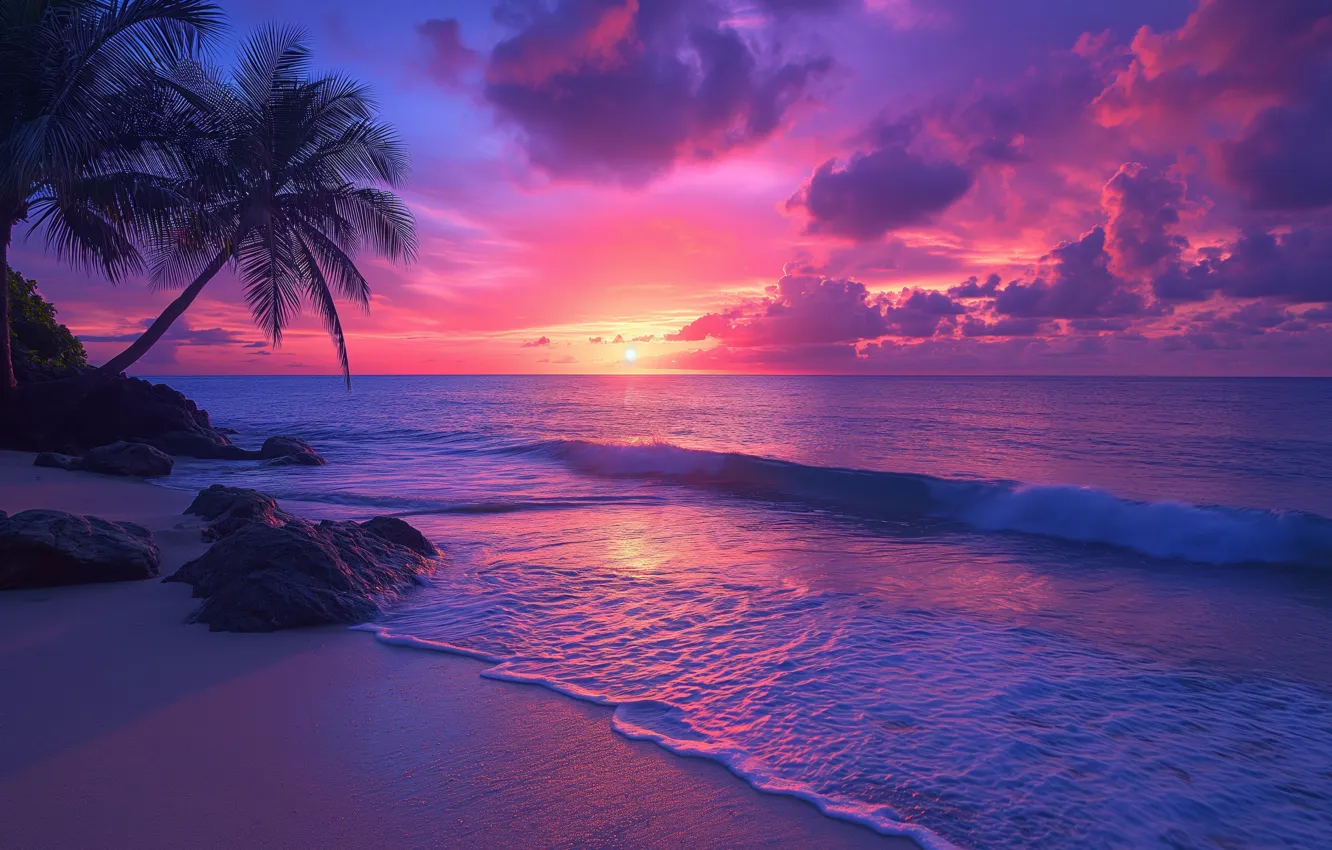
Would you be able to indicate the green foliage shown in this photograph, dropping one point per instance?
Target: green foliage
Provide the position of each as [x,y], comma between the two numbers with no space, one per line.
[43,348]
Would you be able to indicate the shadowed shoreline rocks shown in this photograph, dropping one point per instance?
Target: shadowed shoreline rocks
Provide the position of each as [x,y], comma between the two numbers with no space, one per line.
[270,570]
[72,416]
[42,548]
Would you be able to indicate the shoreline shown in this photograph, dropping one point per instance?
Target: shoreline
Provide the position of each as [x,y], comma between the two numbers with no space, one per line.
[135,729]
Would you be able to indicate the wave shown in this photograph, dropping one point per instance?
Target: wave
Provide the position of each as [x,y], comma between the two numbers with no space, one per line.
[1212,534]
[668,726]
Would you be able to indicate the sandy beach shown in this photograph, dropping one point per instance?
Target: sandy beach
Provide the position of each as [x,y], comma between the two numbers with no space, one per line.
[124,727]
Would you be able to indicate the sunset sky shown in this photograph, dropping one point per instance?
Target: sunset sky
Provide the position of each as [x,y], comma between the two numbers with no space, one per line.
[844,186]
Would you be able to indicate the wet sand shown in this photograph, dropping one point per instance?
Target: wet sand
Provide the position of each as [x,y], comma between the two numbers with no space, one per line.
[123,727]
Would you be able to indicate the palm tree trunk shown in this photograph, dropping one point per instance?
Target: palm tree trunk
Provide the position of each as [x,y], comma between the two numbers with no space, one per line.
[7,382]
[140,346]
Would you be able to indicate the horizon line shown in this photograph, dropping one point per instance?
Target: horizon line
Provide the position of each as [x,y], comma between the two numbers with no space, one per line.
[339,376]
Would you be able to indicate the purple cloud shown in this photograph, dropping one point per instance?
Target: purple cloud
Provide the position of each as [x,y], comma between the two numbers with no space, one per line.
[1080,285]
[620,91]
[710,325]
[537,343]
[921,314]
[1291,267]
[879,191]
[1281,161]
[1143,205]
[449,57]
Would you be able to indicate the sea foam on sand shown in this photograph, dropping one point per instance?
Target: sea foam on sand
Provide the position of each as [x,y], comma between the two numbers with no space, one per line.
[124,727]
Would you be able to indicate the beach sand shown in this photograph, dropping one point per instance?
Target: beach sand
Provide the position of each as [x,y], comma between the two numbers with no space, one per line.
[120,726]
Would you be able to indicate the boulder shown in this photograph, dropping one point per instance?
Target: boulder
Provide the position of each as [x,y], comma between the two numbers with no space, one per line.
[400,532]
[262,577]
[291,451]
[46,548]
[227,509]
[55,460]
[139,459]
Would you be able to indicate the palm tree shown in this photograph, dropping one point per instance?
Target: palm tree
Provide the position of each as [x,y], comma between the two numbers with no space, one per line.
[70,73]
[286,177]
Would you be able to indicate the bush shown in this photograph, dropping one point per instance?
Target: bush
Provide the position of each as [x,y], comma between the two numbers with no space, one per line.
[43,348]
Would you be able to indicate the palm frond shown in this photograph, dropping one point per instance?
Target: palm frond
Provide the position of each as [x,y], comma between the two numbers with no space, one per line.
[317,290]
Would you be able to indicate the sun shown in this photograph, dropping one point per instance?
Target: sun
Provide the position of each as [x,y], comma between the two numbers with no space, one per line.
[630,355]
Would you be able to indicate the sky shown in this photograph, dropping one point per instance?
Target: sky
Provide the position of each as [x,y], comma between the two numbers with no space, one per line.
[1139,187]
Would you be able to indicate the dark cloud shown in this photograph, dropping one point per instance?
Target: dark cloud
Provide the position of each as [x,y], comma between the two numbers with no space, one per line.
[597,340]
[1080,285]
[922,313]
[1292,267]
[619,91]
[1143,205]
[449,57]
[1281,161]
[181,333]
[1006,327]
[1097,325]
[973,288]
[178,337]
[879,191]
[537,343]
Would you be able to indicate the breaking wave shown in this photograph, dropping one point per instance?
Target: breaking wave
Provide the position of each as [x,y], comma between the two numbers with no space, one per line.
[1212,534]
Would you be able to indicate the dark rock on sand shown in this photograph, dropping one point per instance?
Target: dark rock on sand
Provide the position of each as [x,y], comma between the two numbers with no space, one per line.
[228,509]
[45,548]
[400,532]
[263,577]
[139,459]
[290,451]
[55,460]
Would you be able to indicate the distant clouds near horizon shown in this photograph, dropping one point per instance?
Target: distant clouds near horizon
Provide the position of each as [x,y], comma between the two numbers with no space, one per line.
[838,186]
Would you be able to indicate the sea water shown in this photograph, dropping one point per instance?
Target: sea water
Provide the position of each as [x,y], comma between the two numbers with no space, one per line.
[991,613]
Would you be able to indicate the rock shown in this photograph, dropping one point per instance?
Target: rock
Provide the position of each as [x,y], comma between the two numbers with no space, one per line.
[262,577]
[228,509]
[46,548]
[122,458]
[75,414]
[54,460]
[212,446]
[400,532]
[279,448]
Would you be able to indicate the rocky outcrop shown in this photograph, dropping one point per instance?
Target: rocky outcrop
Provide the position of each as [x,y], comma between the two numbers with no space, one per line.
[55,460]
[262,577]
[401,533]
[45,548]
[73,415]
[136,459]
[227,509]
[270,570]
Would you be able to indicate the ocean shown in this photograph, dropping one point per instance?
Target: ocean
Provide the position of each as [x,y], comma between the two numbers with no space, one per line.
[984,612]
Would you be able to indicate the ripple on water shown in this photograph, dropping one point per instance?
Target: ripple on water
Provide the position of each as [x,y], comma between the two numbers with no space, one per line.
[988,734]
